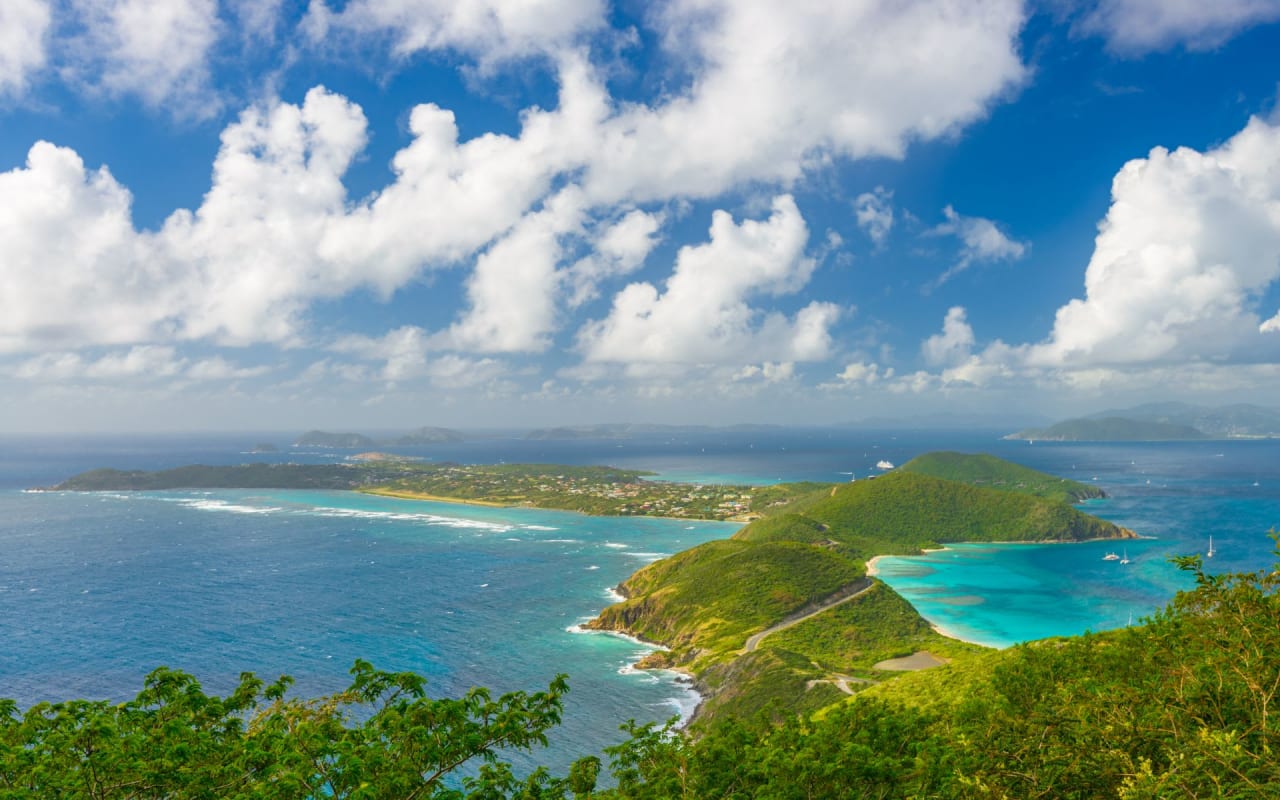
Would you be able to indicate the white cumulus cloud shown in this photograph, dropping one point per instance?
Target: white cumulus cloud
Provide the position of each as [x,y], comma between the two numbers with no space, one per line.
[1189,244]
[786,85]
[157,51]
[954,344]
[981,241]
[489,30]
[1142,26]
[704,315]
[75,271]
[23,28]
[874,212]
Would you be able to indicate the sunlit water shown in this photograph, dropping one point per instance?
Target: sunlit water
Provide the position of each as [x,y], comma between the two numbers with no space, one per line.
[97,589]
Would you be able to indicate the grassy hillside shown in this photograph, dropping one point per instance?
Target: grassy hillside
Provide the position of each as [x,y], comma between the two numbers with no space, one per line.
[988,472]
[904,511]
[704,603]
[1182,706]
[855,636]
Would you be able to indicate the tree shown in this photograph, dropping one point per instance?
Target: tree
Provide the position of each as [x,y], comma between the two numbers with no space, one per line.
[383,737]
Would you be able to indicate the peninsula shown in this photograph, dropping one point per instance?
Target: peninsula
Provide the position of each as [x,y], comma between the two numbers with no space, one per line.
[602,491]
[783,615]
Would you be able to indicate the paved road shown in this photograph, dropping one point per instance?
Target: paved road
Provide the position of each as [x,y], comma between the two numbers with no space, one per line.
[755,640]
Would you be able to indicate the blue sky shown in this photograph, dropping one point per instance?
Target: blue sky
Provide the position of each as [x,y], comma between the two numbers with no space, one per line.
[388,213]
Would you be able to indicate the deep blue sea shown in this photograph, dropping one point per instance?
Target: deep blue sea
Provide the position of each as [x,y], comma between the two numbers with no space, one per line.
[97,589]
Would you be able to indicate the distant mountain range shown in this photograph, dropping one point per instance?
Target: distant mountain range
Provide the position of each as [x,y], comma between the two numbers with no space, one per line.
[1163,422]
[357,441]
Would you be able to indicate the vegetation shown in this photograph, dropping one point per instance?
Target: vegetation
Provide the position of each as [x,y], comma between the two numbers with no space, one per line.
[703,603]
[853,637]
[592,490]
[243,476]
[381,738]
[989,472]
[1180,707]
[806,559]
[905,511]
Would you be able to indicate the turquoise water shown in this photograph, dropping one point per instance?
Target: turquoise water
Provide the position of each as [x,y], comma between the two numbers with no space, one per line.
[1175,495]
[97,589]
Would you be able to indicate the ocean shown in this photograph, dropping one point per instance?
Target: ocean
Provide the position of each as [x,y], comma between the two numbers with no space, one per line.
[98,589]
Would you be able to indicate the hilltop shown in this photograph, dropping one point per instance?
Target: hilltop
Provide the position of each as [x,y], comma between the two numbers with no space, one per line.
[705,604]
[989,472]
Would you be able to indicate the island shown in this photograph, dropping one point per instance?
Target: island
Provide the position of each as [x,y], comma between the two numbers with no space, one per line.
[346,441]
[418,437]
[785,614]
[427,435]
[1163,422]
[1111,429]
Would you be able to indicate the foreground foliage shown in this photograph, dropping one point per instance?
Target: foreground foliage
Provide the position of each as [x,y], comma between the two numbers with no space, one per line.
[1181,707]
[381,738]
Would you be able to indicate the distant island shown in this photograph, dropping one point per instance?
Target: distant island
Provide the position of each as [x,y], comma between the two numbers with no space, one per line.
[1111,429]
[358,441]
[345,441]
[1163,422]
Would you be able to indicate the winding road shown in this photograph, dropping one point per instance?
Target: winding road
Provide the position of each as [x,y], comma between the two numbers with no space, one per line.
[847,593]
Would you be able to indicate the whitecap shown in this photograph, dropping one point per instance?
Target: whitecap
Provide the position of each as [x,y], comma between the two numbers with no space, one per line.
[616,545]
[223,505]
[649,556]
[593,566]
[429,519]
[539,528]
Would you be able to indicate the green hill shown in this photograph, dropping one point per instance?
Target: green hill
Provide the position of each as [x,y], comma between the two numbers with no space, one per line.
[705,604]
[904,512]
[989,472]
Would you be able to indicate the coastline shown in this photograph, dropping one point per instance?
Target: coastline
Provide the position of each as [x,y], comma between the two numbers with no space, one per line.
[400,494]
[433,498]
[684,679]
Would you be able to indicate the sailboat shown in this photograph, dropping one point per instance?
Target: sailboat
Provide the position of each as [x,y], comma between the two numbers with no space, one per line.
[1111,557]
[1210,553]
[1125,560]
